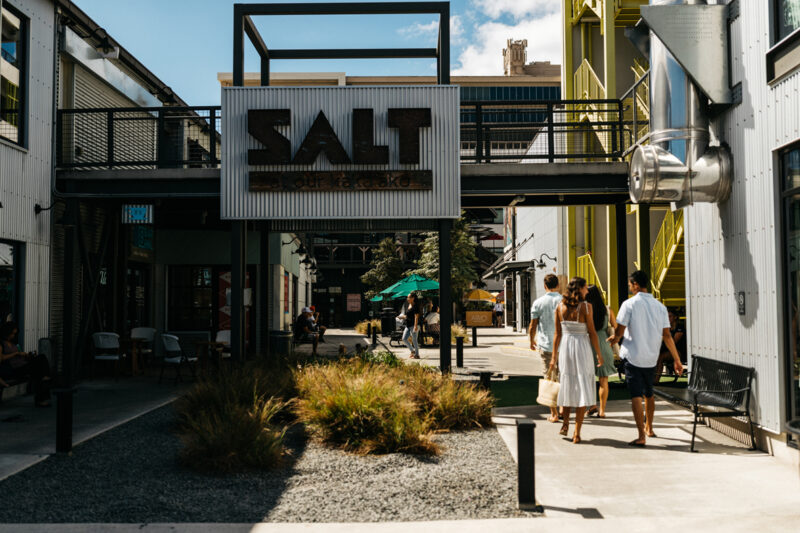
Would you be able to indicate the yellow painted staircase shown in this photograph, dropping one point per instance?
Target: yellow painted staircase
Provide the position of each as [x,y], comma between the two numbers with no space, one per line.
[667,262]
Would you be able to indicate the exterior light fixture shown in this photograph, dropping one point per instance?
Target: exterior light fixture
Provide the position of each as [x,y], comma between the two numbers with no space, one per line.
[540,262]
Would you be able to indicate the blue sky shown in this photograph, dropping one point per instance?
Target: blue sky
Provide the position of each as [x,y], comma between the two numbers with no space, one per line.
[187,42]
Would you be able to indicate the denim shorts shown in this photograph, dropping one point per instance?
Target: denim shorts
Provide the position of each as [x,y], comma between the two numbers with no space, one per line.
[640,380]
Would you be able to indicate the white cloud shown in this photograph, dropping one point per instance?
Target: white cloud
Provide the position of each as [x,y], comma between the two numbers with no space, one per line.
[518,8]
[432,28]
[483,56]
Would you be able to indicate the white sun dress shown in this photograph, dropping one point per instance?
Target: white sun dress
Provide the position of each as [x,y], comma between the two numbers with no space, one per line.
[576,366]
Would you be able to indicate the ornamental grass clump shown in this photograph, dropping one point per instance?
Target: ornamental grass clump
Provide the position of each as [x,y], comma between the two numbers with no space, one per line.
[361,327]
[448,404]
[362,408]
[230,420]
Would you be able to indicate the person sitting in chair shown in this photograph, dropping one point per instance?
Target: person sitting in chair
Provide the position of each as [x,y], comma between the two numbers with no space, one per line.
[318,328]
[304,330]
[17,365]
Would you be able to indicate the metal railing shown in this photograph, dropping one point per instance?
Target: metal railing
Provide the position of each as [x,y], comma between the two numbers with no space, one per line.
[664,248]
[586,83]
[636,102]
[138,138]
[522,131]
[530,131]
[587,271]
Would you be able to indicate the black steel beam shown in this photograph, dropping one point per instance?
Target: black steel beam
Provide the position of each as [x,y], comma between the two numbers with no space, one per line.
[620,214]
[341,8]
[353,53]
[238,45]
[445,294]
[443,61]
[468,202]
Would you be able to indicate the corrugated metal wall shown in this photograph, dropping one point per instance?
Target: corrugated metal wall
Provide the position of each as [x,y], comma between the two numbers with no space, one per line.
[25,174]
[439,152]
[732,248]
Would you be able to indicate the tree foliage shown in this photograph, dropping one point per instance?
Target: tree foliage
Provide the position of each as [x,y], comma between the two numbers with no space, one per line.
[387,268]
[463,259]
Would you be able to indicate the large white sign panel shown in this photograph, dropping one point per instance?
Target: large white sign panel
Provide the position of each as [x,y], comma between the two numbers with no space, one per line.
[340,152]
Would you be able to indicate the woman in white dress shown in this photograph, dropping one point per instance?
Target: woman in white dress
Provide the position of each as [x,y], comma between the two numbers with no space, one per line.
[574,333]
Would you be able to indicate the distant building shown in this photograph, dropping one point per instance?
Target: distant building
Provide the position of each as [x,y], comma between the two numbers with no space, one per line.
[515,57]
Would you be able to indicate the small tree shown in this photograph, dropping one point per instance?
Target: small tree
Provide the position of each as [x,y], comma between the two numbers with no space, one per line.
[387,268]
[462,250]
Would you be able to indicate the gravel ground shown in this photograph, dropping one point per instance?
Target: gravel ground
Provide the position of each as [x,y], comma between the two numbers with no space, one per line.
[130,475]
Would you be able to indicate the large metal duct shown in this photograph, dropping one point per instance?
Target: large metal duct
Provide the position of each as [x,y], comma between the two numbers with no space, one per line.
[678,165]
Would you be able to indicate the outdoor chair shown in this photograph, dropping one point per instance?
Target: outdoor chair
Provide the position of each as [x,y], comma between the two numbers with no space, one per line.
[224,339]
[146,349]
[106,348]
[174,356]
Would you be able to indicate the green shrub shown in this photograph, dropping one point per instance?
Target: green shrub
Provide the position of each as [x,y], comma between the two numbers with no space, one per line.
[236,439]
[361,407]
[382,358]
[361,327]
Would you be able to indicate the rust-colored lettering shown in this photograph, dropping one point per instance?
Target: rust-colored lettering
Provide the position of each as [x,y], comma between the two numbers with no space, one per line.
[321,138]
[408,122]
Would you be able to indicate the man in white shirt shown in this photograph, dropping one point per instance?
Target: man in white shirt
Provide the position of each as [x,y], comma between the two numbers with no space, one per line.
[643,322]
[543,326]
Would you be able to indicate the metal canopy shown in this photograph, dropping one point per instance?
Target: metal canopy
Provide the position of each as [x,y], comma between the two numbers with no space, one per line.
[243,25]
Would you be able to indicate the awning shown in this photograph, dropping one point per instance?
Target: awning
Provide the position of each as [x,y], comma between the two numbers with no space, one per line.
[505,267]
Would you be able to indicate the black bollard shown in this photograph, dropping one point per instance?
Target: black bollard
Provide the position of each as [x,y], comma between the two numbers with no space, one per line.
[64,419]
[460,352]
[369,329]
[526,471]
[374,337]
[474,337]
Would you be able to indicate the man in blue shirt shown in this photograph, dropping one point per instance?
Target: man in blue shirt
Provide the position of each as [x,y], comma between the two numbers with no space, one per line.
[643,322]
[543,326]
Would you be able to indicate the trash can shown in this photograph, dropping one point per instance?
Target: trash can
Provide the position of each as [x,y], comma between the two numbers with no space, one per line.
[280,342]
[387,321]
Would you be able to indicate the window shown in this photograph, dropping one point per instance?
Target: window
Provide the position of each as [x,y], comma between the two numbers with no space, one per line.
[787,18]
[190,299]
[13,73]
[790,183]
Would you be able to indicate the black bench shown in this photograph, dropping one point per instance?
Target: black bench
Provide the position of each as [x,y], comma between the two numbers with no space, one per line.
[717,384]
[484,376]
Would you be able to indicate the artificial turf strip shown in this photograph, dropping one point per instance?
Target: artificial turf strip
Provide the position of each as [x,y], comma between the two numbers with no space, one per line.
[523,390]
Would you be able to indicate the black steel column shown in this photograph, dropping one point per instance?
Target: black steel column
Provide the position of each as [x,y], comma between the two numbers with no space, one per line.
[63,394]
[622,253]
[238,265]
[643,236]
[238,47]
[526,467]
[264,292]
[443,61]
[445,294]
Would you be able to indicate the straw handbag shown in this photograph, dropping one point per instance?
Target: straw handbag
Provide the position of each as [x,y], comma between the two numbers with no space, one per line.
[548,389]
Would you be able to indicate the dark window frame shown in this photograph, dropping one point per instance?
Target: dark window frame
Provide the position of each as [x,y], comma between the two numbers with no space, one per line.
[786,193]
[23,65]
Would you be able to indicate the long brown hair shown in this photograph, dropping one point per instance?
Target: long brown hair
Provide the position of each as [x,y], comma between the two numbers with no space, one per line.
[573,295]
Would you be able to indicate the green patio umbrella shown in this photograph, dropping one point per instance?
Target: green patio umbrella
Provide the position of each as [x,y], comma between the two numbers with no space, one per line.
[419,283]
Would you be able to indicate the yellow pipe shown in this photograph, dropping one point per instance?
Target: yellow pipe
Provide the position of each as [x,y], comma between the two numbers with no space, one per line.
[611,256]
[572,242]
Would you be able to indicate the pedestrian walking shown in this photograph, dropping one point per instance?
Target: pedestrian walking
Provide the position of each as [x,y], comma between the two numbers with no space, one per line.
[499,309]
[643,322]
[412,319]
[543,326]
[573,342]
[602,317]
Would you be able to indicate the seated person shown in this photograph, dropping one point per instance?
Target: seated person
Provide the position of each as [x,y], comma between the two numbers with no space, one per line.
[319,328]
[304,329]
[432,317]
[679,336]
[19,365]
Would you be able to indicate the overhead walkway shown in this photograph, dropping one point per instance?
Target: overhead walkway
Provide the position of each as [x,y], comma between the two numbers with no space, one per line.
[512,152]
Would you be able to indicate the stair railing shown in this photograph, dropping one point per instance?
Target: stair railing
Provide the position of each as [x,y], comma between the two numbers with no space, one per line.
[587,271]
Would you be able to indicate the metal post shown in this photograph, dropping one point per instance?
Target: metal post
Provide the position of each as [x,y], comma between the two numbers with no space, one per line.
[478,133]
[264,289]
[238,262]
[474,337]
[526,468]
[643,238]
[110,139]
[445,295]
[238,46]
[374,337]
[459,352]
[369,329]
[63,394]
[622,253]
[443,61]
[551,143]
[212,137]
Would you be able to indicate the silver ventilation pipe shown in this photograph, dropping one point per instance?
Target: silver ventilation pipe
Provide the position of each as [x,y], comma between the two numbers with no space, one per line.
[678,165]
